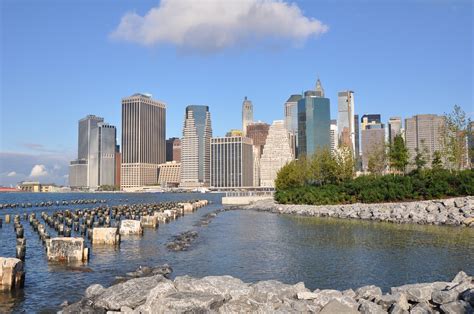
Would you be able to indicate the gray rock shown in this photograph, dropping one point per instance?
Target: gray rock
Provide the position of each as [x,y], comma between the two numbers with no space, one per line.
[336,307]
[421,308]
[274,291]
[130,293]
[94,290]
[191,302]
[239,306]
[368,292]
[397,309]
[349,293]
[468,296]
[306,295]
[456,307]
[387,301]
[368,307]
[460,277]
[324,296]
[444,296]
[415,292]
[222,285]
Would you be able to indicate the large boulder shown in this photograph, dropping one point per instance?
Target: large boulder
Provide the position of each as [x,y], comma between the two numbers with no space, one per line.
[456,307]
[368,292]
[336,307]
[12,275]
[128,227]
[271,291]
[65,249]
[368,307]
[185,302]
[130,293]
[108,236]
[223,285]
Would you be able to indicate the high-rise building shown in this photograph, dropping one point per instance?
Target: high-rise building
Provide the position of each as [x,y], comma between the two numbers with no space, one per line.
[357,142]
[257,154]
[95,165]
[247,115]
[367,119]
[169,174]
[234,132]
[470,142]
[314,120]
[173,149]
[373,139]
[195,147]
[231,162]
[277,152]
[333,136]
[118,165]
[423,132]
[258,132]
[345,119]
[143,140]
[291,113]
[394,128]
[319,90]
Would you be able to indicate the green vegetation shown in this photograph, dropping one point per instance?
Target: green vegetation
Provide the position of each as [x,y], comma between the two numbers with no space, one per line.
[109,188]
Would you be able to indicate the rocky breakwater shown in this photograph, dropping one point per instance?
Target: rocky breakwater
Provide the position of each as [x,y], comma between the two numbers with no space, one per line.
[455,211]
[225,294]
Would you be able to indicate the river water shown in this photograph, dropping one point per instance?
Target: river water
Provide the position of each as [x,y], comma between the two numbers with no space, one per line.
[322,252]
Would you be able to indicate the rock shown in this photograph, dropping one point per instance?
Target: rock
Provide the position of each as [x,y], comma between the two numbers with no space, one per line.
[468,221]
[65,249]
[94,290]
[239,306]
[164,270]
[222,285]
[306,295]
[161,290]
[415,292]
[460,277]
[368,292]
[130,227]
[456,307]
[349,293]
[368,307]
[468,296]
[421,308]
[444,296]
[130,293]
[12,275]
[399,299]
[324,296]
[181,302]
[397,309]
[275,291]
[83,306]
[126,309]
[149,221]
[336,307]
[107,236]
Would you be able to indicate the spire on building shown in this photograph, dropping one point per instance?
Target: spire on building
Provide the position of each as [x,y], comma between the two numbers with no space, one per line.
[319,88]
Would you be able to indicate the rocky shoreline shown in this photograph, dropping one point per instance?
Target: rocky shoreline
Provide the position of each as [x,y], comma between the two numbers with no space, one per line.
[454,211]
[148,290]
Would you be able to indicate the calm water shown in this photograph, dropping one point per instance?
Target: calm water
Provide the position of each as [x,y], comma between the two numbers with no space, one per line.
[324,253]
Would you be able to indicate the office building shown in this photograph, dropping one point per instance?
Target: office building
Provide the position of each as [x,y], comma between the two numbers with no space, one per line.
[247,115]
[234,132]
[314,123]
[143,140]
[277,152]
[195,147]
[118,165]
[470,142]
[394,128]
[367,119]
[173,149]
[258,132]
[358,160]
[424,132]
[345,119]
[373,140]
[333,136]
[231,162]
[169,174]
[291,113]
[78,173]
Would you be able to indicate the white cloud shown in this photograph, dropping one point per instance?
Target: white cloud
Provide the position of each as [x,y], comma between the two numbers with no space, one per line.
[38,171]
[11,174]
[213,25]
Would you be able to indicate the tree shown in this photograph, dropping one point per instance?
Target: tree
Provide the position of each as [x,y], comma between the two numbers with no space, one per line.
[398,154]
[420,159]
[377,159]
[437,162]
[453,136]
[345,162]
[293,174]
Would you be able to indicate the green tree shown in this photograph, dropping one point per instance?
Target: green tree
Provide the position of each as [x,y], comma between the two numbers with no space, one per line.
[377,161]
[437,162]
[453,135]
[293,174]
[420,159]
[345,163]
[398,154]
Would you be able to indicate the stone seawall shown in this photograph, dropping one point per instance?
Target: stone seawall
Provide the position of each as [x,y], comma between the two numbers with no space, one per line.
[454,211]
[154,293]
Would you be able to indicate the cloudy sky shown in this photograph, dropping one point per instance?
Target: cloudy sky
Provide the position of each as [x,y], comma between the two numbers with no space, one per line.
[61,60]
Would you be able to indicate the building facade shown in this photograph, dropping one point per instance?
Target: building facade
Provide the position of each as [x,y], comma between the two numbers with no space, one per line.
[291,113]
[470,142]
[394,128]
[373,139]
[195,147]
[423,132]
[314,123]
[231,162]
[367,119]
[334,136]
[345,119]
[173,149]
[277,152]
[169,174]
[78,173]
[143,140]
[247,115]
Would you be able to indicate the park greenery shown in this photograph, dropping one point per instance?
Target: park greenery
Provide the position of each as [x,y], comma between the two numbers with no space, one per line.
[330,178]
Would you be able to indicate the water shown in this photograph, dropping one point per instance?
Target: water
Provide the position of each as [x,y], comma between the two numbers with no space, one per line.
[323,253]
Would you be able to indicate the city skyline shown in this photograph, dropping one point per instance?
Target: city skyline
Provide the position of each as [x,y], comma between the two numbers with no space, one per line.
[46,154]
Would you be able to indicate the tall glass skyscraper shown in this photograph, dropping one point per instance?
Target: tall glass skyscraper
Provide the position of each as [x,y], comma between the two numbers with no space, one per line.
[345,119]
[314,123]
[195,147]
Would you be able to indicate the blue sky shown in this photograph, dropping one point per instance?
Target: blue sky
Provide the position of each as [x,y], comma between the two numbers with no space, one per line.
[62,60]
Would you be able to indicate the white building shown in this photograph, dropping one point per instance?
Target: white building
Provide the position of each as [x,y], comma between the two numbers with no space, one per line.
[277,152]
[333,137]
[345,119]
[247,115]
[169,174]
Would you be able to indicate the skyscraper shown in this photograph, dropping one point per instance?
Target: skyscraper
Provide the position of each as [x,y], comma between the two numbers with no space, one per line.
[470,142]
[173,149]
[247,114]
[258,132]
[369,119]
[231,162]
[291,113]
[195,147]
[314,120]
[345,119]
[95,165]
[333,136]
[373,139]
[319,89]
[276,153]
[143,140]
[358,160]
[394,128]
[423,132]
